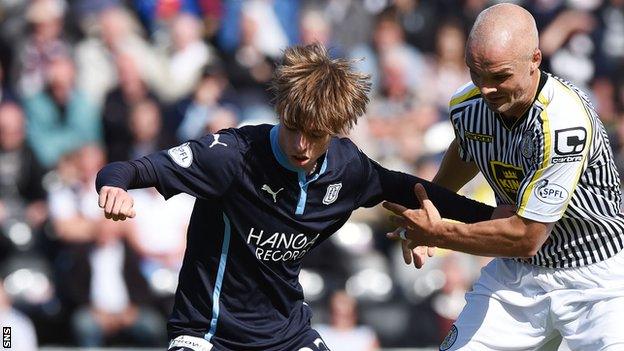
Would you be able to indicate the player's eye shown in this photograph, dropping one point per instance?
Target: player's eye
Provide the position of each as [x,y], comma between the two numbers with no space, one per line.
[501,77]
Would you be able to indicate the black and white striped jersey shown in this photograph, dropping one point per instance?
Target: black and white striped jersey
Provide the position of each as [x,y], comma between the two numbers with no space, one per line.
[555,164]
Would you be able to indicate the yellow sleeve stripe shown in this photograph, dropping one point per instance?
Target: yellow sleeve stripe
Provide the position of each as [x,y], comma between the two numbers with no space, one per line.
[590,137]
[547,145]
[461,98]
[590,129]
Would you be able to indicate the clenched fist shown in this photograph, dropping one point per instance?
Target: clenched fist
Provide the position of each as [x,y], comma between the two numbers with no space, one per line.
[117,203]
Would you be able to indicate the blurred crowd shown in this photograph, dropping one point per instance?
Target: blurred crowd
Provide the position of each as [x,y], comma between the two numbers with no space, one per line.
[85,82]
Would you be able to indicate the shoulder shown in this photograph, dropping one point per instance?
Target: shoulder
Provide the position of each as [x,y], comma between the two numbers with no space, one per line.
[466,92]
[344,151]
[240,139]
[564,105]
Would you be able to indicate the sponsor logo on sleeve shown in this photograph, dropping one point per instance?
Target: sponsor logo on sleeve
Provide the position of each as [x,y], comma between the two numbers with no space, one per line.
[550,193]
[570,141]
[181,155]
[569,144]
[216,142]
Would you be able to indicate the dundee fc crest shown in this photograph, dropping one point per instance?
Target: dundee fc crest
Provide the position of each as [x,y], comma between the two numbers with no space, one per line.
[332,193]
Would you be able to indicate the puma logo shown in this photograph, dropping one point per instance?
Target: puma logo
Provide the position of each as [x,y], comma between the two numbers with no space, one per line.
[216,142]
[273,193]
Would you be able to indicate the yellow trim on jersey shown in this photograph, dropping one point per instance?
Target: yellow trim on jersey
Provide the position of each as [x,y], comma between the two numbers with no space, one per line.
[547,145]
[472,92]
[590,131]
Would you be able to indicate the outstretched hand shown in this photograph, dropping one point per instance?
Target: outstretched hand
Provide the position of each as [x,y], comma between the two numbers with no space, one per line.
[412,252]
[414,225]
[117,203]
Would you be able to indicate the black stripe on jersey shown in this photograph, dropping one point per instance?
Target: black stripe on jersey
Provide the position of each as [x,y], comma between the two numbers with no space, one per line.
[591,228]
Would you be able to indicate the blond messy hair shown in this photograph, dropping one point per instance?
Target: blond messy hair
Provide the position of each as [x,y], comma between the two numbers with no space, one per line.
[314,93]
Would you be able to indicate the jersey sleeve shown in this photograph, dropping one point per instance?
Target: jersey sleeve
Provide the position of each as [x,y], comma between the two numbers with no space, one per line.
[461,140]
[203,168]
[562,144]
[456,107]
[379,184]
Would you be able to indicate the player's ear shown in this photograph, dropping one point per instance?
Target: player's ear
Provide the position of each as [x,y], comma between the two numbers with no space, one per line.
[536,59]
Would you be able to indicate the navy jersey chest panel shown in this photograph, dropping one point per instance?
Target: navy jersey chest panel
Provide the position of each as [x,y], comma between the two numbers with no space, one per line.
[260,299]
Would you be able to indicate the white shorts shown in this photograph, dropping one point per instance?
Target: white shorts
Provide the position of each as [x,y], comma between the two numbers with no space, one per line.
[518,306]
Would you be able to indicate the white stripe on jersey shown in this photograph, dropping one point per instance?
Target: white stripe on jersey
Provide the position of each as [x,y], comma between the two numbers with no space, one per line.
[555,164]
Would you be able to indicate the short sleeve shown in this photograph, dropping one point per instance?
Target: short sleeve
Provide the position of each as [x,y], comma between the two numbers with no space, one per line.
[562,153]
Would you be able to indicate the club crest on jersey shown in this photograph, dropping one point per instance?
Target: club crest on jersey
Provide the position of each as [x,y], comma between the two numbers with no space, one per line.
[450,339]
[507,177]
[527,146]
[332,193]
[181,155]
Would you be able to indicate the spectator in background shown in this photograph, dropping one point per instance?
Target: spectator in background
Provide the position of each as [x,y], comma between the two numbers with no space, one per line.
[77,223]
[6,93]
[420,21]
[157,14]
[351,22]
[112,296]
[315,28]
[146,130]
[115,36]
[22,197]
[396,116]
[61,118]
[343,333]
[446,69]
[449,301]
[567,45]
[187,54]
[388,35]
[160,255]
[250,68]
[71,201]
[278,18]
[208,110]
[23,334]
[117,105]
[42,46]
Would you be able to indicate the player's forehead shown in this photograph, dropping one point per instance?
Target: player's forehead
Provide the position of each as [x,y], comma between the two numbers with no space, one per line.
[311,129]
[491,61]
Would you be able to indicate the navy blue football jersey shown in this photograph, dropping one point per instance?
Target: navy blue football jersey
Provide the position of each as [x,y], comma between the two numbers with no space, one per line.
[254,220]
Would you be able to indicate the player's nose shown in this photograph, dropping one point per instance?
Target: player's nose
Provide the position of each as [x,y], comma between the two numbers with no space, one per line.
[301,142]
